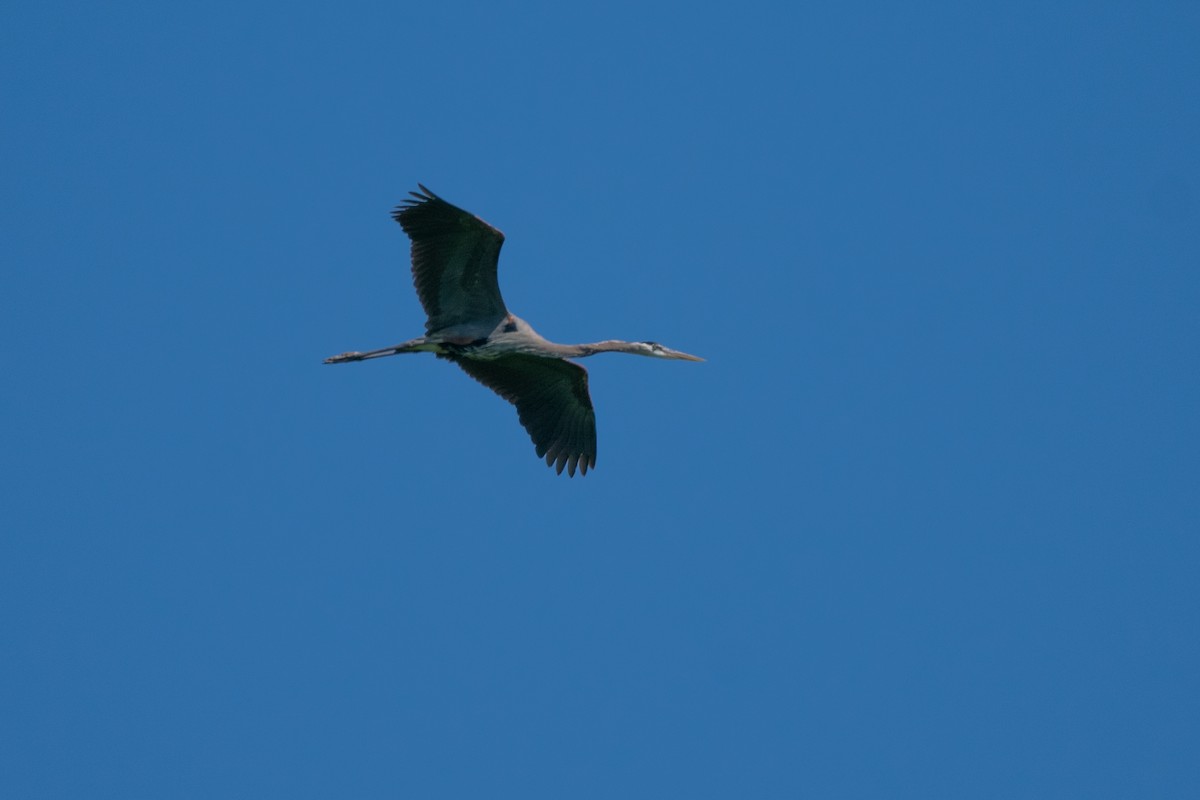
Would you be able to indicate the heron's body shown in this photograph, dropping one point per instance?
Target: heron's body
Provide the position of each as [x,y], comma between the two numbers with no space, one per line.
[455,255]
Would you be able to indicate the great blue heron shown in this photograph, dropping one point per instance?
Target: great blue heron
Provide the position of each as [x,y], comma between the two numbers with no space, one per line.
[454,255]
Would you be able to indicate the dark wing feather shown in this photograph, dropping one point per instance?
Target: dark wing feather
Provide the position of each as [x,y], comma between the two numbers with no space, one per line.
[551,396]
[454,255]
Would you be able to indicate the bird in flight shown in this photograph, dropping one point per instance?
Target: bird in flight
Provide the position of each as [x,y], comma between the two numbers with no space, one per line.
[454,255]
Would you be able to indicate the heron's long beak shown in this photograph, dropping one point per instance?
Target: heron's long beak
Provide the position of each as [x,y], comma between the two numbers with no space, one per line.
[669,353]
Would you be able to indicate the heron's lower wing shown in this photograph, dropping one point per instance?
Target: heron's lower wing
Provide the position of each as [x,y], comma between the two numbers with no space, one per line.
[551,396]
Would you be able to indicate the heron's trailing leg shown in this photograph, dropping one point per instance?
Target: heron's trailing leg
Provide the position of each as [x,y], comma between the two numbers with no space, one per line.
[411,346]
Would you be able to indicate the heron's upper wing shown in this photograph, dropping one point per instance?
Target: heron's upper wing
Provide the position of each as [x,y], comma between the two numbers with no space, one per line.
[552,401]
[454,255]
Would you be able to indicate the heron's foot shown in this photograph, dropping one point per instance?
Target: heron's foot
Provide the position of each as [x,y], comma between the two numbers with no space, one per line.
[344,357]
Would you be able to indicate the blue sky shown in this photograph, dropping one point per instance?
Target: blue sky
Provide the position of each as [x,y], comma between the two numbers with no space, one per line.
[923,525]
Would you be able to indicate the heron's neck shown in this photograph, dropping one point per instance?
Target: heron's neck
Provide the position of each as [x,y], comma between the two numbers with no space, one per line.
[607,346]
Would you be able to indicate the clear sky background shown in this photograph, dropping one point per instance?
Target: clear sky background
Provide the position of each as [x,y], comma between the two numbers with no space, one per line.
[925,524]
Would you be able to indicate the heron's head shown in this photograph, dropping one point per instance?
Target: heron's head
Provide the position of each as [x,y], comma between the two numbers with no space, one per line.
[656,350]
